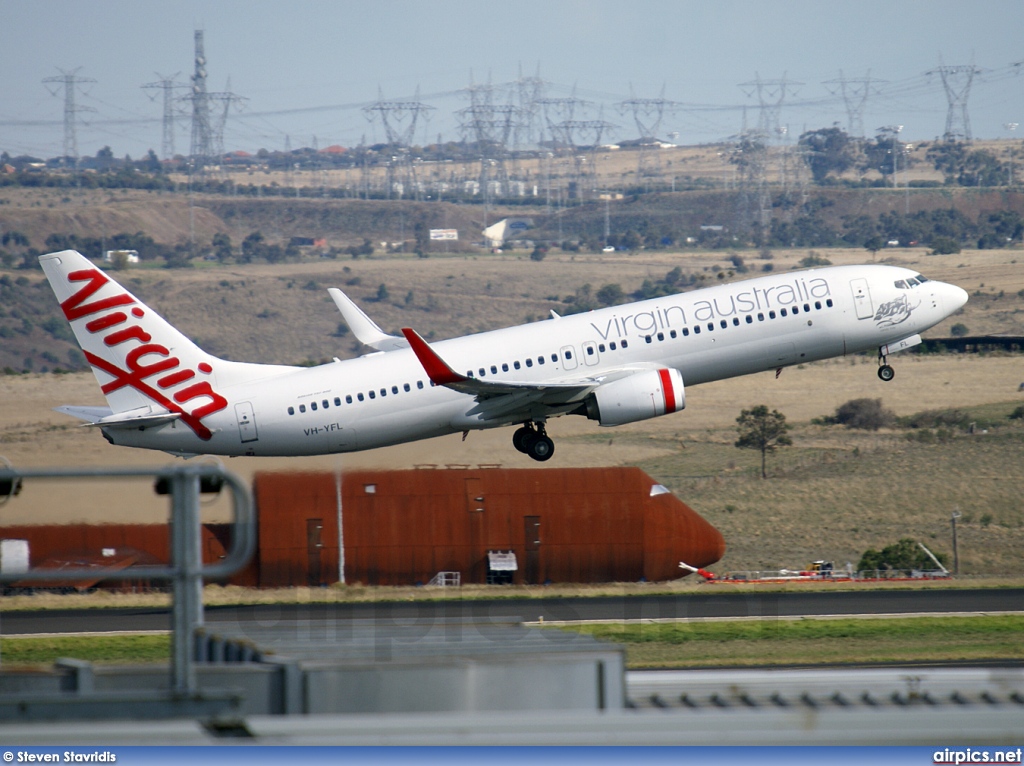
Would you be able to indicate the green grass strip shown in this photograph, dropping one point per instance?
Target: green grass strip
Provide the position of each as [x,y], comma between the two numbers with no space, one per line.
[120,649]
[816,642]
[669,645]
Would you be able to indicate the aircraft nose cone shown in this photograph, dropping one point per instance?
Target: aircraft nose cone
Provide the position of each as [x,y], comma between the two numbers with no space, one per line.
[956,297]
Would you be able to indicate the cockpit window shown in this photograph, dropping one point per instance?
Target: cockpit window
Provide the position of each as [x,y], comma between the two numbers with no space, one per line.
[912,282]
[900,284]
[921,279]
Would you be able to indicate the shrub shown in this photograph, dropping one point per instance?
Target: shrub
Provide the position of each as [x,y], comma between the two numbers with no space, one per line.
[905,554]
[951,418]
[865,414]
[814,259]
[945,246]
[959,330]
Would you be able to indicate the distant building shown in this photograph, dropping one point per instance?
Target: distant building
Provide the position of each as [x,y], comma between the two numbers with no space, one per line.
[507,228]
[111,256]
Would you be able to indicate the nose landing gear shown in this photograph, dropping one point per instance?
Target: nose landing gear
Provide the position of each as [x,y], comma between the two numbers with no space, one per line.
[885,372]
[532,439]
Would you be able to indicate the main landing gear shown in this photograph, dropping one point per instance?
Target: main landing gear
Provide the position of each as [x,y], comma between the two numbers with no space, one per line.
[532,439]
[885,372]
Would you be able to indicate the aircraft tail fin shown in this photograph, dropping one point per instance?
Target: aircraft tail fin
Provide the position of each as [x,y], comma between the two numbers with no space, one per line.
[144,365]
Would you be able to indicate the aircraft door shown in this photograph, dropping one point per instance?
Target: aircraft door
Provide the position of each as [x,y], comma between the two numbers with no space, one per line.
[531,534]
[862,298]
[246,422]
[314,552]
[568,358]
[590,355]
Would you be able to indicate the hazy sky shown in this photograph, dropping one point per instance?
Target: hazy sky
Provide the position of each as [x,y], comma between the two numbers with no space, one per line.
[306,67]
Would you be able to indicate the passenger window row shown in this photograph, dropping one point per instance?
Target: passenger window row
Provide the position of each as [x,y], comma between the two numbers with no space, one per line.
[349,398]
[748,318]
[541,361]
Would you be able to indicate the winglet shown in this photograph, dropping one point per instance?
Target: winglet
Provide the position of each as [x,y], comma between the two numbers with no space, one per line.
[437,369]
[364,328]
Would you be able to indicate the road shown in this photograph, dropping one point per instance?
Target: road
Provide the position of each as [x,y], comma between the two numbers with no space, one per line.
[714,603]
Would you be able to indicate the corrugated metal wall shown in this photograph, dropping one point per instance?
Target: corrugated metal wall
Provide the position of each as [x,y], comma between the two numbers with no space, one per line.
[86,542]
[403,527]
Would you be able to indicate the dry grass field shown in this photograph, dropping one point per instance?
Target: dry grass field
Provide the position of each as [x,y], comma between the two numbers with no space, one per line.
[832,495]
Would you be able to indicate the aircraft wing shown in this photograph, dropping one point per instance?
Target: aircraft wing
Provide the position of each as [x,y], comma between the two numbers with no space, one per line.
[441,374]
[364,328]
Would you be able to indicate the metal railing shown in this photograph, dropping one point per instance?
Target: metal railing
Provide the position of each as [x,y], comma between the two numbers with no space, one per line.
[186,570]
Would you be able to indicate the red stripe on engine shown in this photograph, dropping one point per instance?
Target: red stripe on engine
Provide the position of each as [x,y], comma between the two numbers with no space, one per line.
[668,390]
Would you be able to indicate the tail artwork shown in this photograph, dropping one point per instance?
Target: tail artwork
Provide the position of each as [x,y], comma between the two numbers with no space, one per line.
[149,372]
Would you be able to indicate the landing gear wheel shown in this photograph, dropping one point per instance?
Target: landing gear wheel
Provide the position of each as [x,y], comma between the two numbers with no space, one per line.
[541,448]
[886,373]
[522,437]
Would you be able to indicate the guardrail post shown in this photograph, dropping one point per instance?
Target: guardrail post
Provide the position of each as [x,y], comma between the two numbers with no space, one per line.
[186,554]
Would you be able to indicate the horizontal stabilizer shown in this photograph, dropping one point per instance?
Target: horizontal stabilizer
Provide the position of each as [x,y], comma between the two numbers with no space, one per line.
[102,417]
[364,328]
[90,414]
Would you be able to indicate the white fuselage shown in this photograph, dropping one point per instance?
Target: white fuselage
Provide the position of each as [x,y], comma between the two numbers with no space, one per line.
[720,332]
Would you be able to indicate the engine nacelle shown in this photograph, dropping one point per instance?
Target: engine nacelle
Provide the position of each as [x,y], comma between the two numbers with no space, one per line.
[641,396]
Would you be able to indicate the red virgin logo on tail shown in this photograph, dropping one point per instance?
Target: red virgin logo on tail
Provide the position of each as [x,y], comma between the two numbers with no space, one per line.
[145,360]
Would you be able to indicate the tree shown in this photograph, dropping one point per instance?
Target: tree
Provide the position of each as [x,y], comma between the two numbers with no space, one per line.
[874,244]
[610,294]
[252,246]
[944,246]
[762,430]
[828,151]
[422,234]
[905,554]
[222,247]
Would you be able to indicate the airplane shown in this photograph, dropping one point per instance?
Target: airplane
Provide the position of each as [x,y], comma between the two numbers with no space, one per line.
[615,365]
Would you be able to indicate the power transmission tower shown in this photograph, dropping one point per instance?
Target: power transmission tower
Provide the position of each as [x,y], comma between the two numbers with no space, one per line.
[399,119]
[529,92]
[957,82]
[854,92]
[750,156]
[202,147]
[584,138]
[771,96]
[561,116]
[207,135]
[648,114]
[69,81]
[168,85]
[490,126]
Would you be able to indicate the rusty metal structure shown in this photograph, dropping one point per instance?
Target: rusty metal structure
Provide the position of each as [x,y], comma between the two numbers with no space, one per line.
[522,526]
[405,527]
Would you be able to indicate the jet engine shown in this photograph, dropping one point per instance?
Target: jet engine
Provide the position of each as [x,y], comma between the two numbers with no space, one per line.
[641,396]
